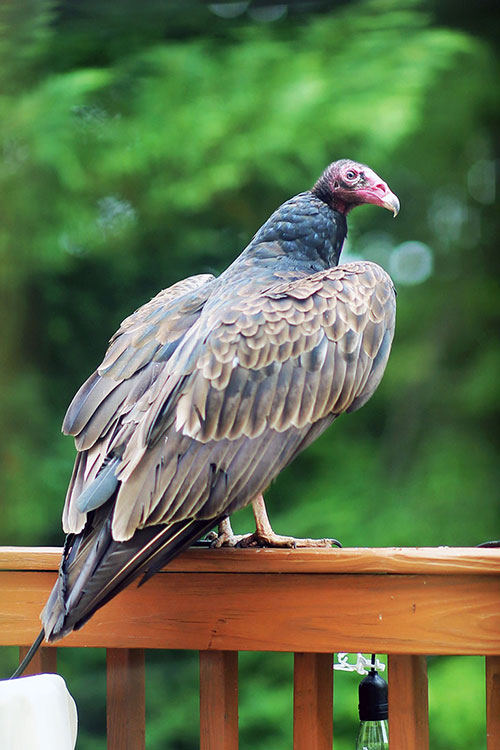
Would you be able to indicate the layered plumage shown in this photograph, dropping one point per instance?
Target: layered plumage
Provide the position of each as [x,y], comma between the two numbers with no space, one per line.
[208,391]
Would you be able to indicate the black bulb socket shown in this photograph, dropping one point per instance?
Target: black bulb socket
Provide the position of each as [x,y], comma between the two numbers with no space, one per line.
[373,704]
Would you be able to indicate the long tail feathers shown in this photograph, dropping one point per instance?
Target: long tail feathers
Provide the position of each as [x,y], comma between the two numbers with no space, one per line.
[95,567]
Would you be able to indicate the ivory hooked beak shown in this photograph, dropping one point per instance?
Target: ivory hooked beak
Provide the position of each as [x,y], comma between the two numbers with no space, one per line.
[391,202]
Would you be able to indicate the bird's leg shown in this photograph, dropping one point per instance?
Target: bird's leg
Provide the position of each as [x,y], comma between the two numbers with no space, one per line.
[225,537]
[264,536]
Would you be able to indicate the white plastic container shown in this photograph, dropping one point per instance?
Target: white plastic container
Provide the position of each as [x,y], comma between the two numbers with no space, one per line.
[37,713]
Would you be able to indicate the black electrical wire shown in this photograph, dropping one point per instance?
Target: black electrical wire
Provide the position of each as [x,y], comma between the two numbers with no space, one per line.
[31,652]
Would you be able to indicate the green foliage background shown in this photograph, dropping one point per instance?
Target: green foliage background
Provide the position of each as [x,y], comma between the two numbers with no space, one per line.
[141,143]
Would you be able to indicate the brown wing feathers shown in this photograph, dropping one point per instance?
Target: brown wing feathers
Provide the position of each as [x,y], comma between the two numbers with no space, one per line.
[283,361]
[243,383]
[141,337]
[287,352]
[244,388]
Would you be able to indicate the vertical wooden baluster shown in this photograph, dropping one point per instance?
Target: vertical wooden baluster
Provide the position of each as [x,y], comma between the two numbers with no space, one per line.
[126,703]
[313,702]
[218,700]
[408,702]
[45,660]
[493,702]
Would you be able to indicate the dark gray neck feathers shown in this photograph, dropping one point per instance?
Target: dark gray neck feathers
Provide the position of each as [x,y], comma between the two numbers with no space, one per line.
[306,230]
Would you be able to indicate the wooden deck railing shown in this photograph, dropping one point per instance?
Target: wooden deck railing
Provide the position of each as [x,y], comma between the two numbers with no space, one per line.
[402,602]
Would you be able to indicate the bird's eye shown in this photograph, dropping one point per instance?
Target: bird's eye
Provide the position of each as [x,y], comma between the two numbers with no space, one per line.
[351,174]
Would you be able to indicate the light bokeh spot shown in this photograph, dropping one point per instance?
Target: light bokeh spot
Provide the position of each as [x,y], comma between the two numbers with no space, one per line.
[411,263]
[229,10]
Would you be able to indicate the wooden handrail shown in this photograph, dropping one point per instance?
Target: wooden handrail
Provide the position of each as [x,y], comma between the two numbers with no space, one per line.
[403,602]
[410,560]
[293,601]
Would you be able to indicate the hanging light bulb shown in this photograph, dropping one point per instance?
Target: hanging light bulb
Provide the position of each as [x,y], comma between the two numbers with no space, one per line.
[373,712]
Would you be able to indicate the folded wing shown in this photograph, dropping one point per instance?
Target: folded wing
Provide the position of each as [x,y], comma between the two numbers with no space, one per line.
[135,357]
[248,389]
[203,397]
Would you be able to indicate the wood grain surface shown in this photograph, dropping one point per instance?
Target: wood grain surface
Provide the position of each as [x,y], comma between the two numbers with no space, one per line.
[313,702]
[126,699]
[408,702]
[218,700]
[409,560]
[418,614]
[493,702]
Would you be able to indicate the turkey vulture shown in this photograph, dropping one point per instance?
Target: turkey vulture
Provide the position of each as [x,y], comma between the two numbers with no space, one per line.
[210,389]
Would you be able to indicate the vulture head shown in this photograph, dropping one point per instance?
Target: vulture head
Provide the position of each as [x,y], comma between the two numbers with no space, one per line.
[346,184]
